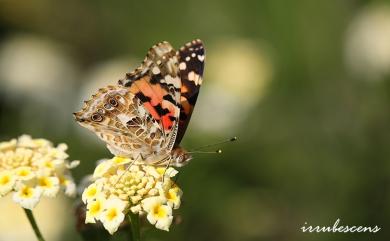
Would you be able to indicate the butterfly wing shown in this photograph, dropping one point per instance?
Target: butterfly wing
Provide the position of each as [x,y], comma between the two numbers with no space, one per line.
[191,65]
[119,118]
[156,83]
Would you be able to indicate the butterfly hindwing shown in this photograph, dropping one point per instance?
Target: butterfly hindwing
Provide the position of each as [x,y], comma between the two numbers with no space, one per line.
[191,65]
[119,118]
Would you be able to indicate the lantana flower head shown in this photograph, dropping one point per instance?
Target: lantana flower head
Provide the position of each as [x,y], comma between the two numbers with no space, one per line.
[121,186]
[34,168]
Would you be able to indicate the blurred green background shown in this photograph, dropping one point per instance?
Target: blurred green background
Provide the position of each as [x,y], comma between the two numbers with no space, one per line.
[305,85]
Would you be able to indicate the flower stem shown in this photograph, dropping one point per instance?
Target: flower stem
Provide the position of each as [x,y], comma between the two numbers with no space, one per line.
[34,225]
[135,227]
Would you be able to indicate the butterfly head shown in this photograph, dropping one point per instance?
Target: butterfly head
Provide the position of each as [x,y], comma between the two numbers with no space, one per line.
[180,157]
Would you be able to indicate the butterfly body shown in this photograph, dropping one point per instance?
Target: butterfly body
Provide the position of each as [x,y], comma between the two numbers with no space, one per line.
[145,116]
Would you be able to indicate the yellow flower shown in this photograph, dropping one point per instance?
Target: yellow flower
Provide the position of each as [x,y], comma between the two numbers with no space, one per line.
[121,186]
[24,173]
[28,197]
[31,168]
[49,185]
[159,214]
[91,192]
[94,209]
[113,215]
[70,186]
[102,169]
[7,182]
[174,197]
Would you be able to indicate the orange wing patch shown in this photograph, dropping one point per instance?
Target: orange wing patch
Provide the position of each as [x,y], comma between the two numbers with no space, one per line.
[156,100]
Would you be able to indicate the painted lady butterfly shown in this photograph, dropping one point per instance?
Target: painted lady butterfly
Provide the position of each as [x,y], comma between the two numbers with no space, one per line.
[145,116]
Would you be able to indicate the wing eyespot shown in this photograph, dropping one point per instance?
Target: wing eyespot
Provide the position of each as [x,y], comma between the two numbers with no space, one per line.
[113,102]
[96,117]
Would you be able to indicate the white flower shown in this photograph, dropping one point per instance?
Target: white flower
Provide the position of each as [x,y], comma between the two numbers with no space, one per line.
[28,197]
[7,145]
[102,169]
[49,185]
[159,214]
[120,160]
[158,172]
[32,168]
[94,209]
[146,190]
[367,51]
[70,186]
[233,59]
[7,182]
[174,197]
[25,173]
[73,164]
[46,68]
[92,192]
[113,215]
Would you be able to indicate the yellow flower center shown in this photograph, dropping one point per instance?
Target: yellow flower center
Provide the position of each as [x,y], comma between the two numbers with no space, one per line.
[161,170]
[119,160]
[159,211]
[171,195]
[44,182]
[26,192]
[111,214]
[95,207]
[23,172]
[4,180]
[91,192]
[49,164]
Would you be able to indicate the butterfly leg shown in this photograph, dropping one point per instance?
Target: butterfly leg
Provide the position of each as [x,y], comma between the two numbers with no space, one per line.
[127,168]
[166,167]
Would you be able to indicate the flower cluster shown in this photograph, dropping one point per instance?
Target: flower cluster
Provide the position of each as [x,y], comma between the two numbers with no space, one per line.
[121,186]
[34,168]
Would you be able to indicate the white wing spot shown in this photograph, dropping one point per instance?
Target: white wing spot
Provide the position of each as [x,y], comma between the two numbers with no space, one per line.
[188,58]
[191,76]
[201,58]
[193,55]
[182,66]
[155,70]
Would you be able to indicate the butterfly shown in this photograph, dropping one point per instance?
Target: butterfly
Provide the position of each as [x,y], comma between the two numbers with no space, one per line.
[145,115]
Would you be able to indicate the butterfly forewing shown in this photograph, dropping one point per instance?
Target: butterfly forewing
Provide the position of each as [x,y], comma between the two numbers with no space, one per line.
[157,84]
[191,65]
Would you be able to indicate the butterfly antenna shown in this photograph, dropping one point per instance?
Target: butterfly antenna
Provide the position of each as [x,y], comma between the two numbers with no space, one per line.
[215,144]
[219,151]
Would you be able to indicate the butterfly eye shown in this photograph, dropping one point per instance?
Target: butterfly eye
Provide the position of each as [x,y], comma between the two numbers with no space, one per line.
[113,102]
[97,117]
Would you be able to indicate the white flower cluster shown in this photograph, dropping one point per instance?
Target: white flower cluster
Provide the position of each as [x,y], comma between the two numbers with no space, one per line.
[34,168]
[121,186]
